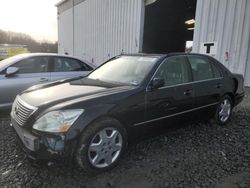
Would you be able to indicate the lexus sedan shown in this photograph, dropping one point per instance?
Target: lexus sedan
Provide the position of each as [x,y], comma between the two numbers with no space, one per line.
[90,119]
[22,71]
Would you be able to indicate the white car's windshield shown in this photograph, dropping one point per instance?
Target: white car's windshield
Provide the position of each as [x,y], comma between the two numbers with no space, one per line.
[130,70]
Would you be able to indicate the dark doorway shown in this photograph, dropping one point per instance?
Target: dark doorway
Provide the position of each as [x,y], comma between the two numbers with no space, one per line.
[165,29]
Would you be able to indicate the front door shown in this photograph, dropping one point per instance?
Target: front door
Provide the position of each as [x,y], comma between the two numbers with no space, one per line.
[176,96]
[32,71]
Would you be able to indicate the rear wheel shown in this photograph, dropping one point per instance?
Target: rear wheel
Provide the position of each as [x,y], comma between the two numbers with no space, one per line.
[101,146]
[224,110]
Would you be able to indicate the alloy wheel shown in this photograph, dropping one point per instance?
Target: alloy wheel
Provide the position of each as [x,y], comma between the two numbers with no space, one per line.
[105,147]
[225,110]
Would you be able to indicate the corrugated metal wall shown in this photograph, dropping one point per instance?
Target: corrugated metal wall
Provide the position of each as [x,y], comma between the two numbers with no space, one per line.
[103,28]
[65,32]
[247,72]
[226,22]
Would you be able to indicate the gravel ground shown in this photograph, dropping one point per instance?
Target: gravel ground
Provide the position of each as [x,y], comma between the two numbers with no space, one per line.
[195,155]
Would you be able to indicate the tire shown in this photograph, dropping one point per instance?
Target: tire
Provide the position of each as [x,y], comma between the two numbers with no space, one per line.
[98,144]
[223,111]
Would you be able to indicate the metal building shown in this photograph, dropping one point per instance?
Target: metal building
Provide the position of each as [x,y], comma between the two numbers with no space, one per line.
[97,30]
[225,25]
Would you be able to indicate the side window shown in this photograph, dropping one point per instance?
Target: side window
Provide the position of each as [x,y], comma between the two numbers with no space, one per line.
[201,68]
[87,67]
[174,71]
[33,65]
[217,73]
[68,65]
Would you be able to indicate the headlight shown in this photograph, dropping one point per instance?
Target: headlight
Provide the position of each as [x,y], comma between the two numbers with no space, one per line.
[57,121]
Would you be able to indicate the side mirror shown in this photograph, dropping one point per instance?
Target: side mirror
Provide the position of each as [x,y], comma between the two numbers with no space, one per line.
[157,83]
[11,71]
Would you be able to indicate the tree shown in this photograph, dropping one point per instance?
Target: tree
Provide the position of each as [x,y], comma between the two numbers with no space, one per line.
[24,39]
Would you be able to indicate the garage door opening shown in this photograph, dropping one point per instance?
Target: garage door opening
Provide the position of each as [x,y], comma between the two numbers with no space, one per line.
[168,25]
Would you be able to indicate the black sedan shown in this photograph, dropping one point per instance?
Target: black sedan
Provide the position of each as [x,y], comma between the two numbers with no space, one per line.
[90,119]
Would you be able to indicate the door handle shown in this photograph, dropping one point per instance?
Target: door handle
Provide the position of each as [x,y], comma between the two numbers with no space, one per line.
[44,79]
[218,85]
[188,92]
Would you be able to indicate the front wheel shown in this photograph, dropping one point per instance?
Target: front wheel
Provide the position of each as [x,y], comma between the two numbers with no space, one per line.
[101,146]
[224,110]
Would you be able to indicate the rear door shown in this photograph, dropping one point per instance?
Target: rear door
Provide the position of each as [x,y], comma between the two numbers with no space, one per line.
[177,94]
[208,81]
[33,70]
[63,67]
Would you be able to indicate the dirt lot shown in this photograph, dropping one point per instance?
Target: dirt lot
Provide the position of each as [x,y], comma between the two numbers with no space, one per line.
[196,155]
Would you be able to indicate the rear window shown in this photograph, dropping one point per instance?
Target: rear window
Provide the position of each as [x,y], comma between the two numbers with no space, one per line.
[217,73]
[69,65]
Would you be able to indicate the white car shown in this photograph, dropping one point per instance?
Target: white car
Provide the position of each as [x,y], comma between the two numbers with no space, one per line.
[22,71]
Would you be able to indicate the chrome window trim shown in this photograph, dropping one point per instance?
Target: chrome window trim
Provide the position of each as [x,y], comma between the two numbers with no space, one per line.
[187,83]
[176,114]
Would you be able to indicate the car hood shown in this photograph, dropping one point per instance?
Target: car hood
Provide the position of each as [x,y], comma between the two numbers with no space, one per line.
[61,92]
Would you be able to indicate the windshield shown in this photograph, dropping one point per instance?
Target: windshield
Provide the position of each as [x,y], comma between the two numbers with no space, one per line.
[131,70]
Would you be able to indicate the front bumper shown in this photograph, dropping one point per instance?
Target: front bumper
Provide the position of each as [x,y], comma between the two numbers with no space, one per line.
[41,146]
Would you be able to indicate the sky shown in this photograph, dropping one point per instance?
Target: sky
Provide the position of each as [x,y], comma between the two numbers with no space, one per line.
[37,18]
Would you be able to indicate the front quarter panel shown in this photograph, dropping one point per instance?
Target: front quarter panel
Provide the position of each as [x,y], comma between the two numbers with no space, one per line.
[127,107]
[90,115]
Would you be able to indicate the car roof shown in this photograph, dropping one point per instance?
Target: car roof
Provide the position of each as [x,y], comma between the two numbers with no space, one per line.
[161,55]
[48,54]
[143,55]
[25,55]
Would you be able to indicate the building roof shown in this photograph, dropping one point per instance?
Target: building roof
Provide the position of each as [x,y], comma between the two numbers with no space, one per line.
[60,2]
[147,2]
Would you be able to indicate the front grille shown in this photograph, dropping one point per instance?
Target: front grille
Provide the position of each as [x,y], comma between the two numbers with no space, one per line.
[21,111]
